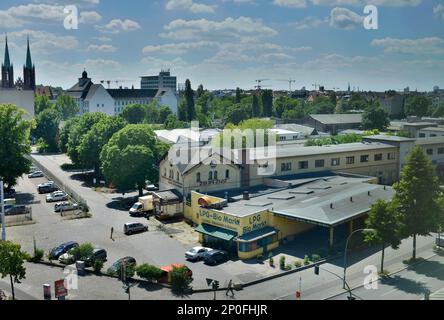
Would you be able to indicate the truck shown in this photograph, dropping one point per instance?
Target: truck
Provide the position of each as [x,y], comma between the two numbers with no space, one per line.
[143,207]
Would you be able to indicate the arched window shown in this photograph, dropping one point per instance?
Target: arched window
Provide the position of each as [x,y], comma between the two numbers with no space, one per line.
[177,176]
[164,172]
[198,177]
[210,176]
[215,175]
[227,174]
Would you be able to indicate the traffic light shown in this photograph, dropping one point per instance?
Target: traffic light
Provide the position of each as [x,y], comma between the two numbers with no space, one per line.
[316,269]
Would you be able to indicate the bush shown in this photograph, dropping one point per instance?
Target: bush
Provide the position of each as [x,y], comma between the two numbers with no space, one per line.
[315,257]
[180,280]
[271,261]
[306,260]
[148,272]
[38,256]
[70,166]
[282,262]
[298,264]
[288,267]
[42,146]
[98,265]
[82,252]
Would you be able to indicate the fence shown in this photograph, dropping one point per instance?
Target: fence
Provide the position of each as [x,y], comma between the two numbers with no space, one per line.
[62,186]
[19,219]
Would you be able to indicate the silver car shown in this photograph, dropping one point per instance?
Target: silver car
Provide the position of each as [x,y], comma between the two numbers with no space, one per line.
[36,174]
[65,206]
[196,253]
[57,197]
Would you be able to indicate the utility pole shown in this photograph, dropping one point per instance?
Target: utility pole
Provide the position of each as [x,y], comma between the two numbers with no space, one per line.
[2,194]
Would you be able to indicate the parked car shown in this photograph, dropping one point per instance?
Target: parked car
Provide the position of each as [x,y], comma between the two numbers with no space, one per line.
[214,257]
[65,206]
[166,272]
[57,196]
[116,268]
[12,210]
[47,183]
[36,174]
[196,253]
[134,227]
[98,254]
[47,188]
[62,249]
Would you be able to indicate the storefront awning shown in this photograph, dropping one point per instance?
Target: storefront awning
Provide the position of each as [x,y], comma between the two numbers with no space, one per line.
[258,234]
[216,232]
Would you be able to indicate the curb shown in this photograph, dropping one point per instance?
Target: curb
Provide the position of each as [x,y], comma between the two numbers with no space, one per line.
[380,278]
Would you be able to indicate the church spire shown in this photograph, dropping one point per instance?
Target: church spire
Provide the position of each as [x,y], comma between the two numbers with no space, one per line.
[7,63]
[28,57]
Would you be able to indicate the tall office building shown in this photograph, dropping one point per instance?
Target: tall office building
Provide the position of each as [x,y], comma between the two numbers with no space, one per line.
[163,81]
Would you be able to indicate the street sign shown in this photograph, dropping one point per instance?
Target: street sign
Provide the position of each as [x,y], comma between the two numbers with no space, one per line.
[60,289]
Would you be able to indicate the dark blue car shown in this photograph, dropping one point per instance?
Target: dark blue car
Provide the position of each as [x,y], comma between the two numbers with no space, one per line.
[62,249]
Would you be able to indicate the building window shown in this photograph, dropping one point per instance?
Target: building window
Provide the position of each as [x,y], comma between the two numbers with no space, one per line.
[210,176]
[430,152]
[303,165]
[391,156]
[440,150]
[164,172]
[215,175]
[177,176]
[335,162]
[320,163]
[350,160]
[378,157]
[422,135]
[432,135]
[227,174]
[286,166]
[198,177]
[365,158]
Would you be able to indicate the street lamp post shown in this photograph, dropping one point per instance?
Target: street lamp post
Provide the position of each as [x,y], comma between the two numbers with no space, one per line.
[3,220]
[346,248]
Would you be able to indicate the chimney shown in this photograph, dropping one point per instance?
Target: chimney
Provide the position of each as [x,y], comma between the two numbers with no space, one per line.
[246,195]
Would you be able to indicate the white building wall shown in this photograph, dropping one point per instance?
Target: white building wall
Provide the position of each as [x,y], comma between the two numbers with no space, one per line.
[22,99]
[170,99]
[102,101]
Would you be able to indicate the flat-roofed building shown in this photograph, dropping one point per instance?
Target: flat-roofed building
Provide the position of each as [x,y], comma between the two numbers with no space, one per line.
[333,123]
[431,132]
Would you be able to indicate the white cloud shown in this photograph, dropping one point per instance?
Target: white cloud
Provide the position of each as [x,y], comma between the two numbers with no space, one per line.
[116,26]
[101,48]
[308,23]
[89,17]
[290,3]
[179,48]
[439,11]
[431,45]
[189,5]
[343,18]
[207,29]
[388,3]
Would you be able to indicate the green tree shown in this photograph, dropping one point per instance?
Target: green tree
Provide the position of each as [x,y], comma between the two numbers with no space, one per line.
[152,113]
[386,223]
[180,279]
[333,98]
[375,117]
[417,195]
[237,113]
[189,99]
[417,106]
[48,122]
[12,260]
[134,113]
[172,122]
[14,142]
[267,103]
[64,134]
[80,128]
[200,91]
[255,107]
[82,252]
[93,141]
[130,158]
[439,111]
[322,105]
[149,272]
[238,95]
[182,112]
[164,112]
[357,102]
[41,103]
[285,104]
[67,107]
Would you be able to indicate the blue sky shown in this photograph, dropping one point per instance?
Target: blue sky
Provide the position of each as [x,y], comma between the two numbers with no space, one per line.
[230,43]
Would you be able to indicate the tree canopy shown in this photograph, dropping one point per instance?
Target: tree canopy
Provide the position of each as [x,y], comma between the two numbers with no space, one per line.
[417,106]
[66,107]
[12,260]
[14,142]
[375,117]
[47,128]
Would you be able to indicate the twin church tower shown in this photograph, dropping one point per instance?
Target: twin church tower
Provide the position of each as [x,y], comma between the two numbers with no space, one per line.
[28,82]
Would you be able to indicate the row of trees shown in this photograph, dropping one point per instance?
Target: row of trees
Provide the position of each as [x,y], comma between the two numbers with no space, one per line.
[126,153]
[417,209]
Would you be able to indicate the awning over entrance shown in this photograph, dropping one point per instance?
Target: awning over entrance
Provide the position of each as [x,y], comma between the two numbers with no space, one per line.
[216,232]
[257,235]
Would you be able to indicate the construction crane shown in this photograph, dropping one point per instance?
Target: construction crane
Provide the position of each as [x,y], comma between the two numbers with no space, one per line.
[290,82]
[259,85]
[117,82]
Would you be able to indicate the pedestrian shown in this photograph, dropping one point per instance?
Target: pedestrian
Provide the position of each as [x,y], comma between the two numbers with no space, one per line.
[112,232]
[230,288]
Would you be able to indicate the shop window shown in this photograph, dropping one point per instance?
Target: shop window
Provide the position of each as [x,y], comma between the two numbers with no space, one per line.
[227,174]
